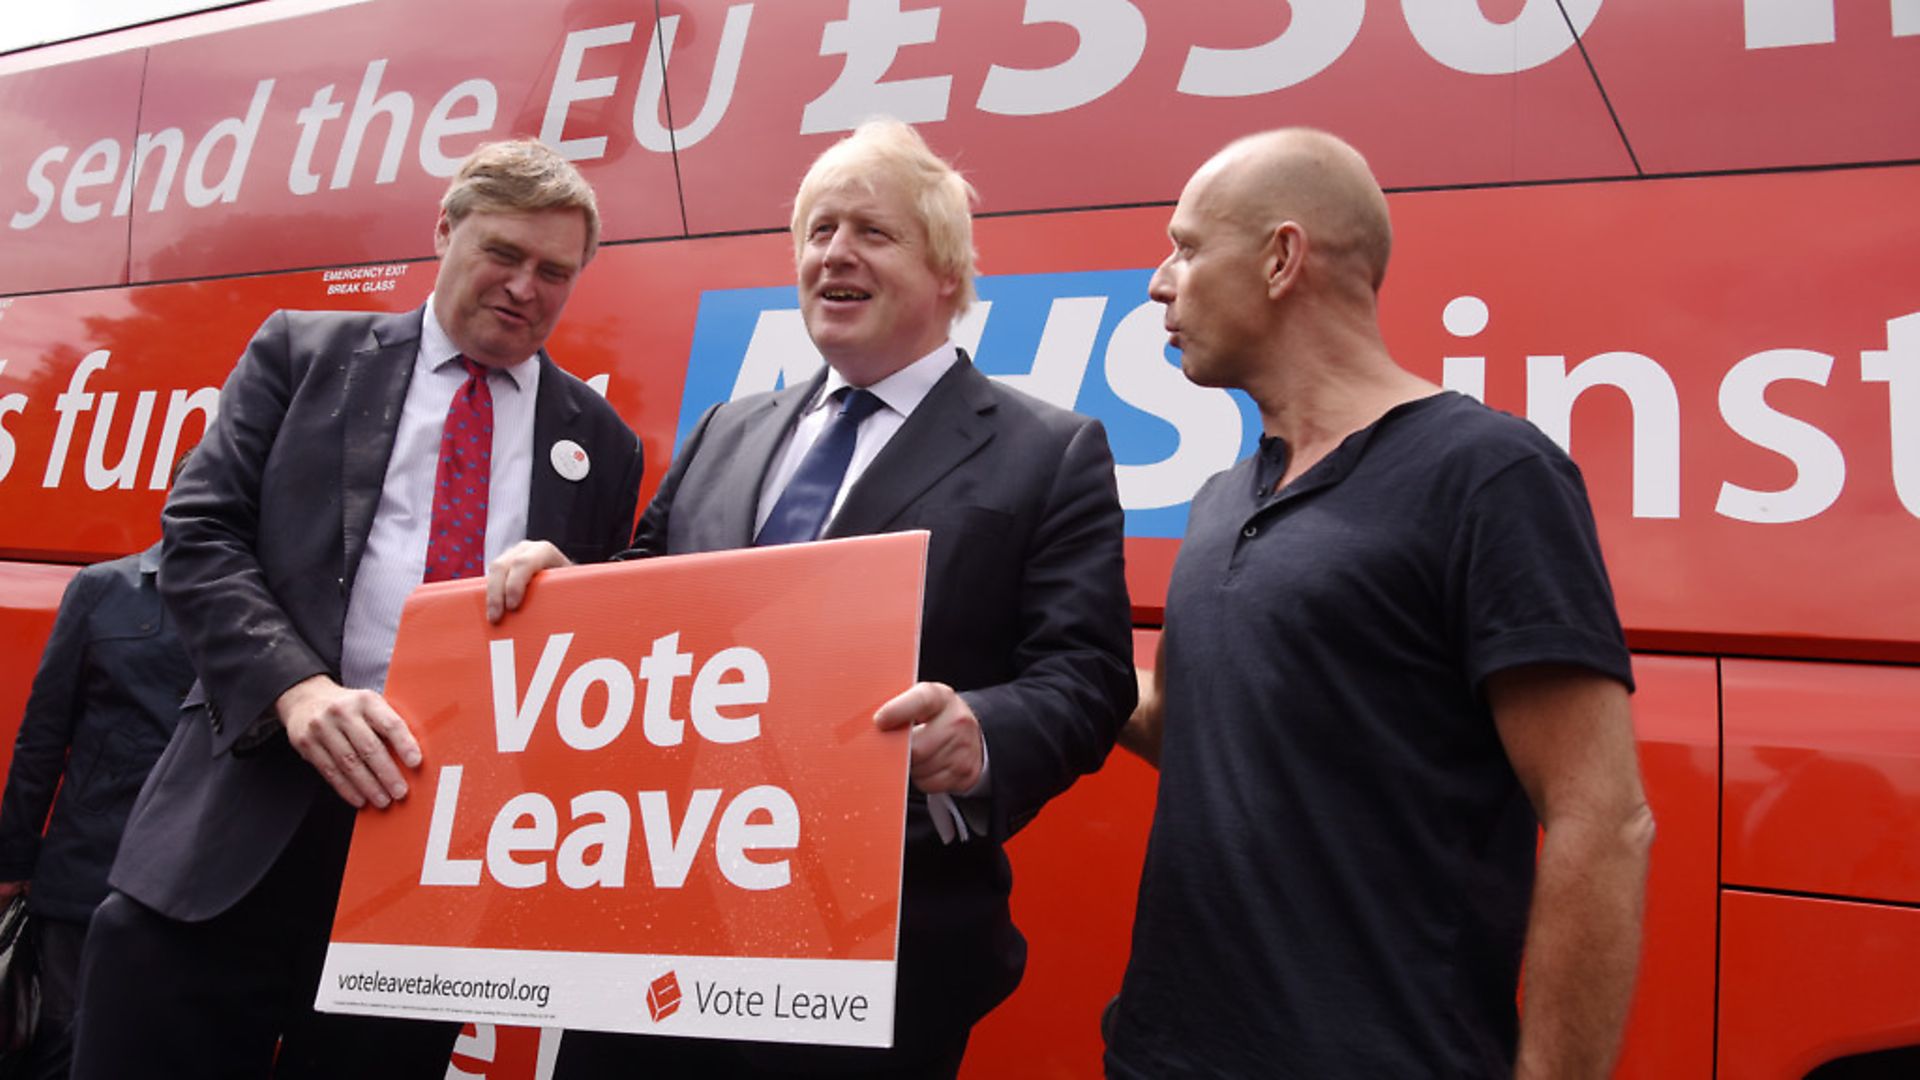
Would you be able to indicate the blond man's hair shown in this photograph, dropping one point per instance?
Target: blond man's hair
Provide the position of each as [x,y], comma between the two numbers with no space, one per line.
[941,197]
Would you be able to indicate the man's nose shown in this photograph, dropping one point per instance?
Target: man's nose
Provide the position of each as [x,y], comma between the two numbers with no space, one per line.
[839,250]
[1160,286]
[520,282]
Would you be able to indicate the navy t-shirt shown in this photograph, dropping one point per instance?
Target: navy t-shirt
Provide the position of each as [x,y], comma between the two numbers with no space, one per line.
[1341,859]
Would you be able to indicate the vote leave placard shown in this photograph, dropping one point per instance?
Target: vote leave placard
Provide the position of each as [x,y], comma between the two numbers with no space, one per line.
[653,800]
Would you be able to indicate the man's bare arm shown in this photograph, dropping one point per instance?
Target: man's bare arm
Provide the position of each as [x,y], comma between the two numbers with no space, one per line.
[1569,735]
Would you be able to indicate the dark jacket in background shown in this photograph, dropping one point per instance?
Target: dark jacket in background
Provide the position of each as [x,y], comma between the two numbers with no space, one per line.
[103,706]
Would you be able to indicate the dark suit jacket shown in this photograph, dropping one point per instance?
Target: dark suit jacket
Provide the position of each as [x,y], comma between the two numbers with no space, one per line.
[263,534]
[1026,614]
[104,702]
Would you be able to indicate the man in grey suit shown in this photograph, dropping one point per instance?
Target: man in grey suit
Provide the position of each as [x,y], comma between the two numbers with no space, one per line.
[354,455]
[1025,646]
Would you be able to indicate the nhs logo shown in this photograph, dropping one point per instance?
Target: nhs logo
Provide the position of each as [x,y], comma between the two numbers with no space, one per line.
[1088,341]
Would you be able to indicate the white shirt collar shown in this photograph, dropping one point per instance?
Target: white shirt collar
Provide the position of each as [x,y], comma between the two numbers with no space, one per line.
[437,350]
[904,390]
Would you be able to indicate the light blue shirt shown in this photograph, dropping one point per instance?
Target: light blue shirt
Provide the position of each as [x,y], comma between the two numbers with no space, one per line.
[396,555]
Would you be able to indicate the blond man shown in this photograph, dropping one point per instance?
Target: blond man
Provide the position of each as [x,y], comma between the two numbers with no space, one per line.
[1025,650]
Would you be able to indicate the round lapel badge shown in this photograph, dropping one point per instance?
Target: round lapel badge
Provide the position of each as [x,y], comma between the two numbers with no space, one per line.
[570,460]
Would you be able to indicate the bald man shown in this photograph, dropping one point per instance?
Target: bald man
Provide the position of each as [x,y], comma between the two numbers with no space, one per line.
[1390,651]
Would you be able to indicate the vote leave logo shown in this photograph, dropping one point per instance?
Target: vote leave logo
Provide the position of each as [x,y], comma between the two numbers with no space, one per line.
[663,997]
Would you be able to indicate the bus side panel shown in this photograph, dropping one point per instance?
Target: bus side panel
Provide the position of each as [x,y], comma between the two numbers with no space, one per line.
[1823,779]
[1147,103]
[1676,717]
[1734,420]
[1704,85]
[1822,808]
[353,176]
[64,131]
[1804,981]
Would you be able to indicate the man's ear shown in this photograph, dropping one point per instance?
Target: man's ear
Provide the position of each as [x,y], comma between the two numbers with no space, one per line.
[442,234]
[1286,257]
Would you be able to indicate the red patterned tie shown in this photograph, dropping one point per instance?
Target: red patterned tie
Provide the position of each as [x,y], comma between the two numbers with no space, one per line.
[457,535]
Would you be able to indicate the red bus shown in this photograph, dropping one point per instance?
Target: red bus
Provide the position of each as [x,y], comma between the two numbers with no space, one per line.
[1677,236]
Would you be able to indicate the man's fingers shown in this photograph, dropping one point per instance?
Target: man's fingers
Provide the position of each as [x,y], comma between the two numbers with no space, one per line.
[509,575]
[924,749]
[303,732]
[354,765]
[944,754]
[369,730]
[327,763]
[514,589]
[356,773]
[917,704]
[937,749]
[366,746]
[346,740]
[340,785]
[386,725]
[930,767]
[496,589]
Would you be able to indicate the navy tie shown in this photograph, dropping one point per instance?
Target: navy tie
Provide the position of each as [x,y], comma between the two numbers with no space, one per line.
[801,511]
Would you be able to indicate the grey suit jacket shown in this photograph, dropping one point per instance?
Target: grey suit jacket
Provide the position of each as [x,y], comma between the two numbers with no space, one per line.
[263,534]
[1026,614]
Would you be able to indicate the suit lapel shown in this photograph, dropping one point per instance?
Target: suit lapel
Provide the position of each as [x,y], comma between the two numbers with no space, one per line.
[556,415]
[376,390]
[945,430]
[763,432]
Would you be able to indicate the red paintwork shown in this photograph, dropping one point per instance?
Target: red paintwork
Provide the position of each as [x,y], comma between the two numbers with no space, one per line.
[1694,98]
[1675,716]
[1075,872]
[47,338]
[1806,981]
[494,1052]
[1689,96]
[74,106]
[1822,793]
[1421,122]
[1823,779]
[1840,583]
[198,82]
